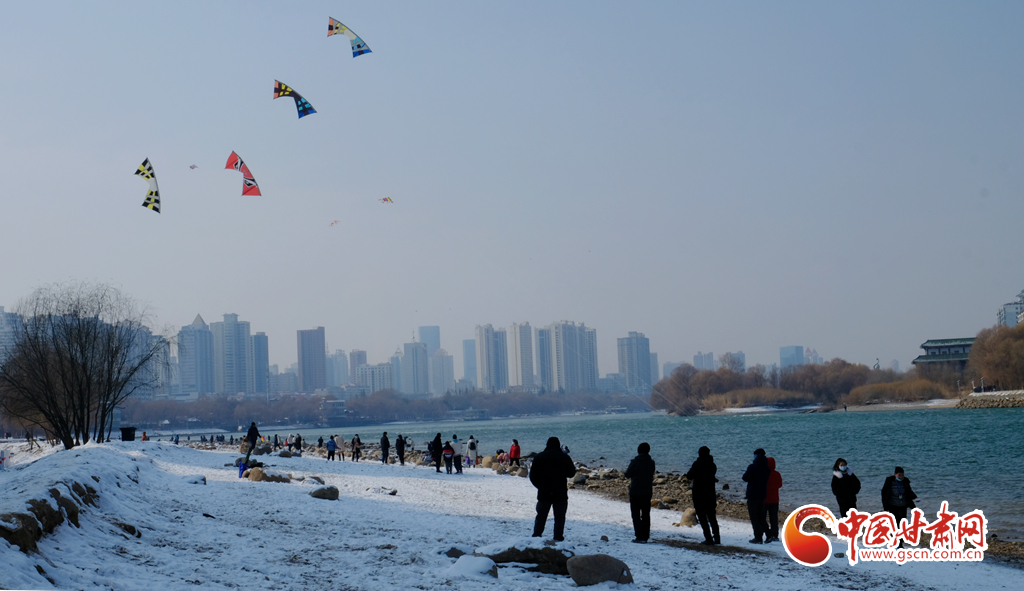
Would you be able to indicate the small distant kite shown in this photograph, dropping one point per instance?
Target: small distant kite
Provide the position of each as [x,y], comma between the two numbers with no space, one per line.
[301,104]
[152,201]
[359,46]
[193,167]
[386,200]
[335,222]
[249,186]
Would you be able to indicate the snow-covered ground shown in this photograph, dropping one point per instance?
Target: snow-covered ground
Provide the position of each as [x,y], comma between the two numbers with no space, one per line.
[232,533]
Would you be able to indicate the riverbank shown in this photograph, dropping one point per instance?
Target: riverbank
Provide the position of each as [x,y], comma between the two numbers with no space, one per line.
[155,515]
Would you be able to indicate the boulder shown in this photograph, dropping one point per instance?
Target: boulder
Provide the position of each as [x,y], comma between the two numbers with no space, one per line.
[261,475]
[523,473]
[499,469]
[284,453]
[453,552]
[262,450]
[591,569]
[69,507]
[48,515]
[329,493]
[487,462]
[317,479]
[689,518]
[25,533]
[579,479]
[548,560]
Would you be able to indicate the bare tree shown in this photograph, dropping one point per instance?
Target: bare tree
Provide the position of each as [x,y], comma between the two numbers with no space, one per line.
[80,351]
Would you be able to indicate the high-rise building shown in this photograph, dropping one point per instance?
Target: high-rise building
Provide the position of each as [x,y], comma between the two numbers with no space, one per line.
[442,372]
[431,335]
[547,380]
[895,365]
[522,356]
[312,349]
[491,359]
[231,355]
[791,356]
[737,361]
[375,377]
[704,361]
[355,359]
[469,360]
[414,368]
[668,368]
[635,362]
[339,363]
[573,357]
[9,326]
[396,370]
[655,369]
[259,365]
[195,358]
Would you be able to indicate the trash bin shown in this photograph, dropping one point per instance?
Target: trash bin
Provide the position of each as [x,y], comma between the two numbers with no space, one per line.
[241,469]
[127,433]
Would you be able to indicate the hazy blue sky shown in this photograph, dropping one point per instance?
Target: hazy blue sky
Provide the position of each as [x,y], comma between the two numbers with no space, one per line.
[723,176]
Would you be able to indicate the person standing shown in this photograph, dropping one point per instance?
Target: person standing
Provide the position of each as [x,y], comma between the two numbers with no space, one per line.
[251,436]
[471,451]
[449,456]
[435,451]
[320,442]
[702,475]
[357,448]
[385,448]
[514,453]
[756,478]
[548,473]
[771,503]
[457,448]
[641,490]
[298,444]
[277,442]
[340,441]
[845,486]
[331,446]
[897,496]
[400,449]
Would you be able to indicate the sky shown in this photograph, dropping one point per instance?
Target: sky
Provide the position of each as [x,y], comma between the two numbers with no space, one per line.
[729,176]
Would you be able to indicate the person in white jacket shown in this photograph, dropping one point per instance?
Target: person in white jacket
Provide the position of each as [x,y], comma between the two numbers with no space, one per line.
[472,450]
[457,460]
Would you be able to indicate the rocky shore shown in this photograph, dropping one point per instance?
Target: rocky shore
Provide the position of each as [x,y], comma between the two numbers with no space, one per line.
[1012,399]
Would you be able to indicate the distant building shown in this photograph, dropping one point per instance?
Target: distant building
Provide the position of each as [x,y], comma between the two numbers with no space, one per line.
[635,362]
[655,369]
[355,359]
[285,383]
[895,365]
[522,356]
[376,377]
[547,376]
[668,368]
[739,359]
[339,364]
[791,357]
[704,361]
[231,355]
[431,335]
[9,325]
[811,357]
[491,359]
[195,358]
[573,351]
[442,372]
[612,382]
[469,361]
[312,350]
[1008,314]
[259,364]
[945,354]
[396,370]
[414,369]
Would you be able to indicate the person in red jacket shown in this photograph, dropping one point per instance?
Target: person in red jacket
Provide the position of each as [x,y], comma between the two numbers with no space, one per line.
[771,503]
[513,453]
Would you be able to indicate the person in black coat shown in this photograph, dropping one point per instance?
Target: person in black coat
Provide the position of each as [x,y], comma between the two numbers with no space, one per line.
[702,475]
[548,473]
[845,486]
[400,450]
[756,478]
[436,451]
[252,436]
[385,448]
[641,490]
[897,496]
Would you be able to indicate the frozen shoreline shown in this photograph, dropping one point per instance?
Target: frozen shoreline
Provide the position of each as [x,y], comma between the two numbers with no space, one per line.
[275,536]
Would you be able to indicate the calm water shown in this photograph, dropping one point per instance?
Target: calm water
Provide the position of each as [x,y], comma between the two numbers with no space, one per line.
[972,458]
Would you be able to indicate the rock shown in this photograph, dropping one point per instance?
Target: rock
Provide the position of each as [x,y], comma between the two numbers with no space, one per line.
[86,493]
[25,533]
[689,518]
[317,479]
[725,486]
[592,569]
[246,473]
[329,493]
[284,453]
[548,560]
[500,469]
[669,501]
[69,507]
[662,505]
[579,479]
[261,450]
[261,475]
[523,473]
[654,503]
[238,461]
[195,479]
[48,516]
[128,529]
[604,538]
[487,461]
[453,552]
[473,566]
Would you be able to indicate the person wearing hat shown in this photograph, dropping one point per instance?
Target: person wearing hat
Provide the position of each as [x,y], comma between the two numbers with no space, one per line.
[897,496]
[756,478]
[548,472]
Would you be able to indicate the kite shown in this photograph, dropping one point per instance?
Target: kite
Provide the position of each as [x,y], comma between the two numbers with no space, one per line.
[249,186]
[359,46]
[152,201]
[335,222]
[386,200]
[193,167]
[301,104]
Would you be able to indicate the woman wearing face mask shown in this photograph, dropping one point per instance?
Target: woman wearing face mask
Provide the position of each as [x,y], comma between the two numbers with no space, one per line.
[897,496]
[845,486]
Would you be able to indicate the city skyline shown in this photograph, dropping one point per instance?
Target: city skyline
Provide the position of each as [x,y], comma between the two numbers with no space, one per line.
[735,180]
